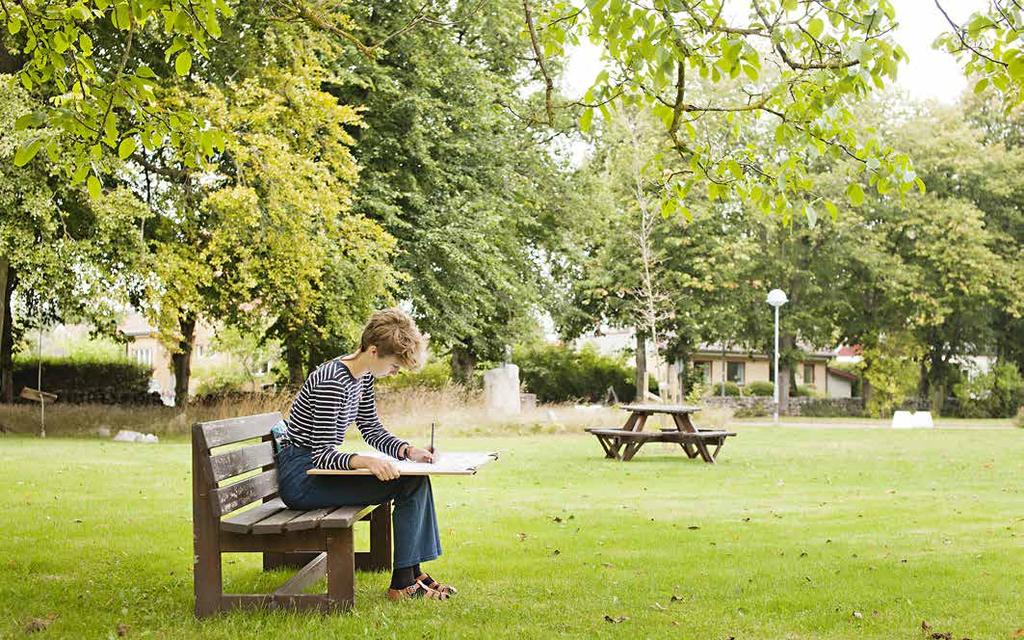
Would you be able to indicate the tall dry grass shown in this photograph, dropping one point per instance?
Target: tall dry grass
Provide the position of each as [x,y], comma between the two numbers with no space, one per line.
[408,412]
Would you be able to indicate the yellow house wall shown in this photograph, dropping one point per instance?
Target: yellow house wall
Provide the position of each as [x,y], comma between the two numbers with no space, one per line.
[760,370]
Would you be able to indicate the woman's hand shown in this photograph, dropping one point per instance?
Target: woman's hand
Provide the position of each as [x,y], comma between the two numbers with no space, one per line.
[379,467]
[417,454]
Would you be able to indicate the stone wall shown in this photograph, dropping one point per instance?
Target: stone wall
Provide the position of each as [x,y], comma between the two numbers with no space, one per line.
[798,406]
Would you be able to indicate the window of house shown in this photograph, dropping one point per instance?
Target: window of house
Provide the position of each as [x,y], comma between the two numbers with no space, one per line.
[808,374]
[703,371]
[735,372]
[143,356]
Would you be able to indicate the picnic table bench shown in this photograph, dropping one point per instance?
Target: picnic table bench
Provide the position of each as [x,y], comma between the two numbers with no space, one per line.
[319,541]
[624,443]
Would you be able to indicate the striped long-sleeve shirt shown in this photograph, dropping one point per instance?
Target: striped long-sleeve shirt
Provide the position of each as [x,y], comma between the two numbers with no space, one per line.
[329,401]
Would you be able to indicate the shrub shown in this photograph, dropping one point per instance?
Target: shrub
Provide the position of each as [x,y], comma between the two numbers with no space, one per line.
[760,388]
[435,374]
[557,373]
[828,408]
[996,394]
[731,389]
[804,391]
[81,379]
[220,382]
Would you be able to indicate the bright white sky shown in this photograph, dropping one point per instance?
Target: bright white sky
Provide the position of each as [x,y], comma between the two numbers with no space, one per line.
[930,74]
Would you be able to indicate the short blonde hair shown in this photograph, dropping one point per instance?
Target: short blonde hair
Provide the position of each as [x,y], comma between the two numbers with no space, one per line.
[394,333]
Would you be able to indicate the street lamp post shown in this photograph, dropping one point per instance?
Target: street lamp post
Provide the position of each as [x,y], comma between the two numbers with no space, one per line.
[777,298]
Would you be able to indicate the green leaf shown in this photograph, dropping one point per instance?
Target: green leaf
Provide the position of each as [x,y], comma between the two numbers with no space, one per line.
[60,42]
[80,173]
[832,209]
[586,120]
[122,17]
[13,26]
[812,216]
[815,27]
[95,188]
[183,63]
[980,85]
[29,120]
[126,148]
[26,152]
[856,194]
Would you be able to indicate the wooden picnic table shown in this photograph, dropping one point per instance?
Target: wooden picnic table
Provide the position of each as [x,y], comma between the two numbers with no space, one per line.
[624,443]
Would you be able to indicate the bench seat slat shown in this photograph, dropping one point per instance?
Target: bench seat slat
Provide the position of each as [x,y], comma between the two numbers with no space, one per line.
[276,522]
[234,496]
[345,517]
[308,520]
[242,522]
[238,461]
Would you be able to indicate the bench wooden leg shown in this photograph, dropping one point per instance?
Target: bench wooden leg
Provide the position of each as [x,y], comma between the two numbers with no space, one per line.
[341,568]
[631,450]
[691,452]
[208,582]
[380,538]
[704,453]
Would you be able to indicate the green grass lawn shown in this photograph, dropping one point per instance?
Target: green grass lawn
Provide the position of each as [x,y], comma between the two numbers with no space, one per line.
[788,536]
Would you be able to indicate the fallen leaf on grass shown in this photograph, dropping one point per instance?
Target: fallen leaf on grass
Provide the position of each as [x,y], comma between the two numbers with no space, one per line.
[40,624]
[555,552]
[522,536]
[658,606]
[693,527]
[942,636]
[1019,633]
[858,615]
[616,619]
[676,598]
[925,626]
[557,519]
[122,629]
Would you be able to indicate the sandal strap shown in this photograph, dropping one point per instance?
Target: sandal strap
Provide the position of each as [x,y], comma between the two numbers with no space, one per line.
[436,586]
[416,590]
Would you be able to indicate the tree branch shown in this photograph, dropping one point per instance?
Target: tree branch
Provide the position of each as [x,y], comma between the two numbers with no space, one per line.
[549,85]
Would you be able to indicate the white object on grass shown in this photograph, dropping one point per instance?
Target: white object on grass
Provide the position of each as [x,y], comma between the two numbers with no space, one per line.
[915,420]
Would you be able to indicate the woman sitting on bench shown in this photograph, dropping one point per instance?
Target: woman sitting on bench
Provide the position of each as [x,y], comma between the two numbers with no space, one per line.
[336,394]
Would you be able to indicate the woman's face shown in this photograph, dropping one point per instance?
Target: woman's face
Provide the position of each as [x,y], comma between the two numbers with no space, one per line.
[381,366]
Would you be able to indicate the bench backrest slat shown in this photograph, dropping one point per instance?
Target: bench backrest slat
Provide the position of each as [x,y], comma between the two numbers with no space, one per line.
[237,495]
[222,432]
[238,461]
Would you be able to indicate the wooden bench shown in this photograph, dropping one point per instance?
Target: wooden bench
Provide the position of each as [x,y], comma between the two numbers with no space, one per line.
[227,478]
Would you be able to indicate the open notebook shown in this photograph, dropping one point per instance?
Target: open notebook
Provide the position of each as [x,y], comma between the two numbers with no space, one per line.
[460,463]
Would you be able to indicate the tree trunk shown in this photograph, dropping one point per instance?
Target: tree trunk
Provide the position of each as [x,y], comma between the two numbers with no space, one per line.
[786,344]
[6,376]
[293,357]
[181,362]
[641,366]
[9,281]
[463,364]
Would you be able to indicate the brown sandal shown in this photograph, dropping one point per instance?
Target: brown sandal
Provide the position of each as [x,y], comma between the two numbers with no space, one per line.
[430,583]
[416,590]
